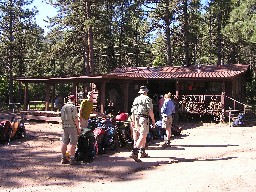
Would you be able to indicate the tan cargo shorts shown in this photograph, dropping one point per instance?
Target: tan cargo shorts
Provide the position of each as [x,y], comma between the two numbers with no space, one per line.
[70,136]
[141,125]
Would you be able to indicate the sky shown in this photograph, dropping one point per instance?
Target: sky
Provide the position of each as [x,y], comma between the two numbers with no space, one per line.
[44,11]
[47,10]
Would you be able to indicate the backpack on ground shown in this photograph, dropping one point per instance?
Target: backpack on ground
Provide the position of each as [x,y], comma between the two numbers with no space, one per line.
[86,146]
[111,138]
[239,121]
[99,134]
[5,131]
[176,131]
[123,132]
[18,129]
[160,132]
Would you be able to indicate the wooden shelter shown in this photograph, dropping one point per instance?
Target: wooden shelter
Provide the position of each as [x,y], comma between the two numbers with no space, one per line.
[221,87]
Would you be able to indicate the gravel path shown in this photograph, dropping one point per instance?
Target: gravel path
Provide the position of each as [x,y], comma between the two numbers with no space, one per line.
[206,157]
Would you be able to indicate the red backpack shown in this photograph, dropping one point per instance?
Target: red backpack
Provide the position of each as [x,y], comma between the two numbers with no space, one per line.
[122,117]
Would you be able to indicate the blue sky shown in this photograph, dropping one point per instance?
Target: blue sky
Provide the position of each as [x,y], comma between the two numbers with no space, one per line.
[47,10]
[44,11]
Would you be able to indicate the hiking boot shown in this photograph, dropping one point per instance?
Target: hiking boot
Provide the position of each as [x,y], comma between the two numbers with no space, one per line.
[64,161]
[143,155]
[134,155]
[74,162]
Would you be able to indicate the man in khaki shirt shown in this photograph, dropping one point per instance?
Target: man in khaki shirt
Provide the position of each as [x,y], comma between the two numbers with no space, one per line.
[71,130]
[142,109]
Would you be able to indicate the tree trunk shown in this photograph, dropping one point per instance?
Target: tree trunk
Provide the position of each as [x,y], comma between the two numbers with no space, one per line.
[219,39]
[186,44]
[90,40]
[168,34]
[10,60]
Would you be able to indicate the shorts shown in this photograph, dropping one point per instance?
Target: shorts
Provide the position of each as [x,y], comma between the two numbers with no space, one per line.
[141,125]
[167,122]
[83,123]
[70,136]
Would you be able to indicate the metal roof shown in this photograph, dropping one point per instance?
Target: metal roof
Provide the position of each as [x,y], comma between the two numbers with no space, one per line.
[181,72]
[194,72]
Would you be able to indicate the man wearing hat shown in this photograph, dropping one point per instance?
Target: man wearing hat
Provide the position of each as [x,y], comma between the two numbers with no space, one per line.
[71,130]
[142,109]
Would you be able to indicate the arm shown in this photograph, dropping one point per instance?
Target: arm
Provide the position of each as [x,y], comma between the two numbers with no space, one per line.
[151,112]
[152,116]
[77,126]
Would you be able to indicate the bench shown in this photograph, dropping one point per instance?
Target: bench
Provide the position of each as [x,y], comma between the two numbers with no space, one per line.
[35,105]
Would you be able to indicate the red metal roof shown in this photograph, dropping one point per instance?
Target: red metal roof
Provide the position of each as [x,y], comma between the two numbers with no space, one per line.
[195,72]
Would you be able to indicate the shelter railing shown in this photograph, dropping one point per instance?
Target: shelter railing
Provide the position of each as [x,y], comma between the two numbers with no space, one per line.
[200,104]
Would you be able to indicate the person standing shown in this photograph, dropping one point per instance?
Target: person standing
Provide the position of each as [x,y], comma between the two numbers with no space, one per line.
[142,109]
[167,111]
[58,103]
[85,110]
[71,130]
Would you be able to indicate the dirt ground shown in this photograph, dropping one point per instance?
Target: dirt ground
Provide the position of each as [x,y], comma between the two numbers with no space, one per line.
[206,157]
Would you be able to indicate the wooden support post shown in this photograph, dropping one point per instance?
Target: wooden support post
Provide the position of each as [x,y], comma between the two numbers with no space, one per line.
[126,88]
[176,101]
[53,97]
[177,89]
[223,95]
[25,107]
[102,96]
[47,96]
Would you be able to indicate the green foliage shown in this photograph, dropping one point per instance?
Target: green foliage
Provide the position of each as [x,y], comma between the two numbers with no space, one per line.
[241,25]
[3,90]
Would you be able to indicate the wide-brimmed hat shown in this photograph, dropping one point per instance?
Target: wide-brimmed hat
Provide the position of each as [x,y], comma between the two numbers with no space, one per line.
[143,89]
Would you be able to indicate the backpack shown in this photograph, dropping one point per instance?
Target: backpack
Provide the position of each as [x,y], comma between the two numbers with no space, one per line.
[5,131]
[18,129]
[239,121]
[85,146]
[122,117]
[176,131]
[99,134]
[123,132]
[111,139]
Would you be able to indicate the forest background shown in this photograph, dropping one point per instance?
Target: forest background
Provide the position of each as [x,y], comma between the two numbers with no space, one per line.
[91,37]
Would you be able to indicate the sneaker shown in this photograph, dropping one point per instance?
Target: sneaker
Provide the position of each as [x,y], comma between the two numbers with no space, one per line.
[74,162]
[143,155]
[64,161]
[135,157]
